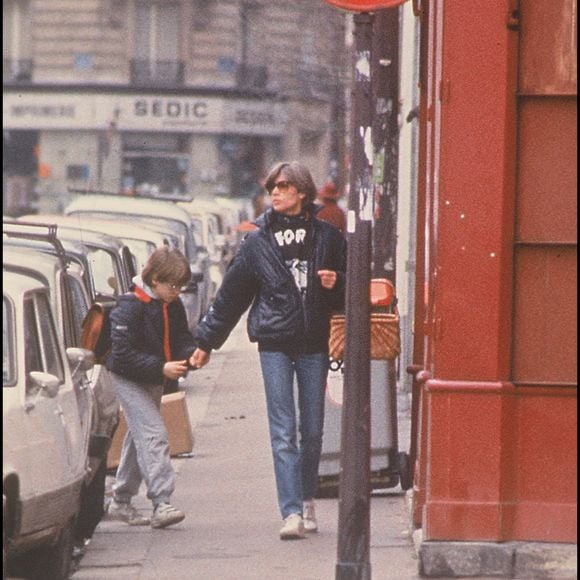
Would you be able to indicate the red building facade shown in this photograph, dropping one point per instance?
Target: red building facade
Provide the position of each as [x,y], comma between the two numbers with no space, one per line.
[496,314]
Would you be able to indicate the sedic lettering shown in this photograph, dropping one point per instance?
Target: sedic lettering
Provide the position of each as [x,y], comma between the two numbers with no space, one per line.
[171,109]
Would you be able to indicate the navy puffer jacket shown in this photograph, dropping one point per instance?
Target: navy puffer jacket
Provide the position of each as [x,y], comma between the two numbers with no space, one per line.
[278,318]
[137,333]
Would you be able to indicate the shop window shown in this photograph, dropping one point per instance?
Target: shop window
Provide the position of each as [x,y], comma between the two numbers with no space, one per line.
[77,172]
[155,164]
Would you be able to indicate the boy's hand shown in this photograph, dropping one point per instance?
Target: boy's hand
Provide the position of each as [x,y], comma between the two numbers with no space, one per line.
[199,358]
[327,278]
[175,369]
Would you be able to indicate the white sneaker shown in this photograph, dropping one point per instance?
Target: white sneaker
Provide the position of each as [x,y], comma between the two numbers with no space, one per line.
[166,515]
[125,512]
[293,528]
[310,523]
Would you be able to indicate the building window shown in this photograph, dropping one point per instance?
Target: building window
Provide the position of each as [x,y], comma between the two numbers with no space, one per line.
[252,73]
[156,59]
[16,40]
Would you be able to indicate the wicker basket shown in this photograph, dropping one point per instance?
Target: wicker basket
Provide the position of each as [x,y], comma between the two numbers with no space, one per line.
[385,336]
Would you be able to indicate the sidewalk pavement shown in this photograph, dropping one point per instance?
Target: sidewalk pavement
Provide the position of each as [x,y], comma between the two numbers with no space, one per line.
[228,492]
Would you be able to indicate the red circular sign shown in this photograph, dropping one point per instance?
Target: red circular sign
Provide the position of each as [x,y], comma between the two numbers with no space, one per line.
[365,5]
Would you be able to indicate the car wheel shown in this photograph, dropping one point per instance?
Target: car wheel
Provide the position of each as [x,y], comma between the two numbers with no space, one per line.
[54,562]
[405,476]
[92,504]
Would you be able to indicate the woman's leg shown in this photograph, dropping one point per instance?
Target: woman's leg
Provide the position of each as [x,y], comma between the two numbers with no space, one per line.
[312,372]
[278,373]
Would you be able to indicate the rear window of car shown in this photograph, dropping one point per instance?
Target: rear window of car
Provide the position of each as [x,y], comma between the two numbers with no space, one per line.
[42,351]
[8,346]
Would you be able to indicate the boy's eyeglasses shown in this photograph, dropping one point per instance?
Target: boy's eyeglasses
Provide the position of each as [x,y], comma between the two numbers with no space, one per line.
[282,186]
[174,287]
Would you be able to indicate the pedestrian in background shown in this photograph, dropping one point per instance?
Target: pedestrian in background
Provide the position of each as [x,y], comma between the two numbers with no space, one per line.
[291,270]
[151,345]
[331,212]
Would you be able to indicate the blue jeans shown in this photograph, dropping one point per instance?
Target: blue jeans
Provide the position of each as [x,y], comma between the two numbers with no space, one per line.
[295,466]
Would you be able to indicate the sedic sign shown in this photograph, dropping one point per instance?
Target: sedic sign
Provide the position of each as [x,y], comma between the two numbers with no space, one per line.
[144,113]
[365,5]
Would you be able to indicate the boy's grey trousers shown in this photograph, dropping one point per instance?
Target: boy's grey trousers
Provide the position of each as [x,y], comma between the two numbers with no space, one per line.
[145,451]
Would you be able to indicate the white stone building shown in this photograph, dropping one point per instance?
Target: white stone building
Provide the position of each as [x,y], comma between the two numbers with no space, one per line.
[201,96]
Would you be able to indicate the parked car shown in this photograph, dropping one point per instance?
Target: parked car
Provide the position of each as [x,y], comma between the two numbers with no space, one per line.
[223,219]
[141,241]
[44,464]
[95,392]
[206,224]
[163,216]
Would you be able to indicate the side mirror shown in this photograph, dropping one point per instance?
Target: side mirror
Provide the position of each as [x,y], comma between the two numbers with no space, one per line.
[47,383]
[80,359]
[196,275]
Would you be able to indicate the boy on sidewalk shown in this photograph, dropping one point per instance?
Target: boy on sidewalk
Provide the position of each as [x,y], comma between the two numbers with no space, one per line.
[151,344]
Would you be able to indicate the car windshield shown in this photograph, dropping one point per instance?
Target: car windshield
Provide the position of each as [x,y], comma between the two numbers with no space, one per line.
[8,366]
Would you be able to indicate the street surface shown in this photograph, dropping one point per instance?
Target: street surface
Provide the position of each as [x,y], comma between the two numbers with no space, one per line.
[227,490]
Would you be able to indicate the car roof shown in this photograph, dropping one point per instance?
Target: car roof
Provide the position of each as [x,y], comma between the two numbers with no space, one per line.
[16,283]
[123,204]
[112,227]
[31,262]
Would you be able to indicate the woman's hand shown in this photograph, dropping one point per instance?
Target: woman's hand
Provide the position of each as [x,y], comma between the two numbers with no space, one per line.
[327,278]
[199,358]
[175,369]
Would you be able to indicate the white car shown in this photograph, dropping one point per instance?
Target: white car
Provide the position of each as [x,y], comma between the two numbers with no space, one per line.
[96,397]
[162,216]
[44,448]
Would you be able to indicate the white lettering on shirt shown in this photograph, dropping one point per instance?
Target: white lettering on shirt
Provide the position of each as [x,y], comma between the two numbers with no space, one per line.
[288,237]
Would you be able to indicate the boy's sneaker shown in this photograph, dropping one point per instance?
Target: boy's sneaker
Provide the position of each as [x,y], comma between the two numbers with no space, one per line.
[309,515]
[166,515]
[125,512]
[293,528]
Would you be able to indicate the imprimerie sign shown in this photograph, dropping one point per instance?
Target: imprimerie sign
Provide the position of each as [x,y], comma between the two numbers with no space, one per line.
[144,113]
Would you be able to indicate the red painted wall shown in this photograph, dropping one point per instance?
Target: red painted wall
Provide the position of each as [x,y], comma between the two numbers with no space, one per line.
[497,438]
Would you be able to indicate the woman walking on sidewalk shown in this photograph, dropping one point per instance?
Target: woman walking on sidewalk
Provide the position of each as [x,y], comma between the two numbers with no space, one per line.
[151,345]
[291,270]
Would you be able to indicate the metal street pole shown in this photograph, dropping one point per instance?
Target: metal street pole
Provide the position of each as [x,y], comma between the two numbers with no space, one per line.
[353,562]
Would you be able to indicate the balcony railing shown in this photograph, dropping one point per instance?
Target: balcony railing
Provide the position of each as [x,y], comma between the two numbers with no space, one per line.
[16,70]
[157,73]
[253,78]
